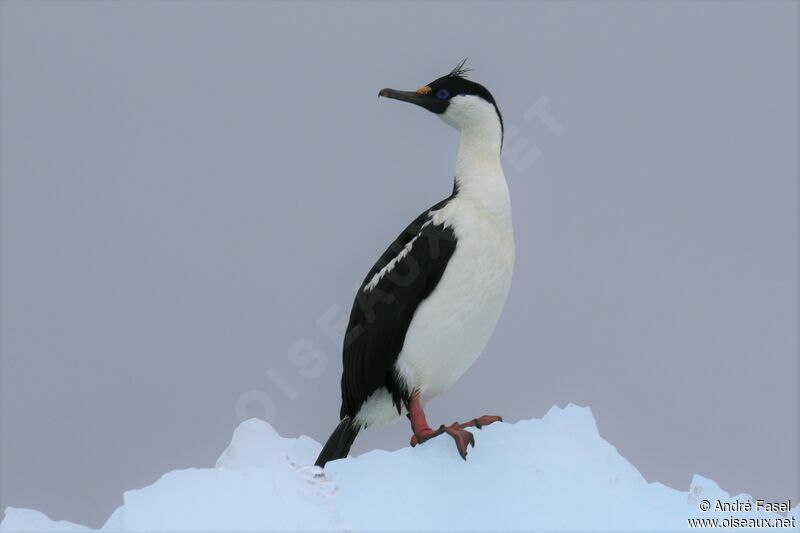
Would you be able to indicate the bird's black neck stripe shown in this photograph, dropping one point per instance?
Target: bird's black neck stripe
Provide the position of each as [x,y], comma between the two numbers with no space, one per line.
[502,127]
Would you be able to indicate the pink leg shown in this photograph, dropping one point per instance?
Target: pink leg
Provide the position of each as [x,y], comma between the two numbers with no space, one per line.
[419,424]
[422,431]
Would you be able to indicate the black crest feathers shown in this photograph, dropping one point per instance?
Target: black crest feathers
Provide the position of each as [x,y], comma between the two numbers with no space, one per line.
[460,71]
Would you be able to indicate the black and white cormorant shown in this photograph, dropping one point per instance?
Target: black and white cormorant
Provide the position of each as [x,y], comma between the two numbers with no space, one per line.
[427,308]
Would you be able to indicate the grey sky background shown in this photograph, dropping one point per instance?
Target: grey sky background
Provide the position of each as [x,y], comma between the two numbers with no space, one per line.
[191,191]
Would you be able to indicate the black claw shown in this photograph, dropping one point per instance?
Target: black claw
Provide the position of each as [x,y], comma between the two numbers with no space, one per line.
[463,453]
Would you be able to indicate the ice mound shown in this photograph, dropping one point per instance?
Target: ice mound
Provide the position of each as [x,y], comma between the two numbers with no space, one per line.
[553,473]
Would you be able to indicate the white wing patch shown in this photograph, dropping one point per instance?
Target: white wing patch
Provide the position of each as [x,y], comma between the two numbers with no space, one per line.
[393,263]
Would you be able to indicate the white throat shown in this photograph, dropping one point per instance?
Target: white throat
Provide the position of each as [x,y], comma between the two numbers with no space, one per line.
[479,174]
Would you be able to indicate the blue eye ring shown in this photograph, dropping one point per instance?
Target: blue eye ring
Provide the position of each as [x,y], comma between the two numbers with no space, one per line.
[442,94]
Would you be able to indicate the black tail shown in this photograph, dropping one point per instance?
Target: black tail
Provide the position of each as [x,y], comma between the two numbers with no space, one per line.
[339,442]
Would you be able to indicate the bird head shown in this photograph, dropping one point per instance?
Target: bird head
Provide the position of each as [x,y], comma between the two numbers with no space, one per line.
[460,102]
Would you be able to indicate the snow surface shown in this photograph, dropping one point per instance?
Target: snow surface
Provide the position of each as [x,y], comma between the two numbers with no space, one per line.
[553,473]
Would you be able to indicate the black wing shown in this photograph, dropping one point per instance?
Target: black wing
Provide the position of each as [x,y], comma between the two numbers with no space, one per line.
[381,314]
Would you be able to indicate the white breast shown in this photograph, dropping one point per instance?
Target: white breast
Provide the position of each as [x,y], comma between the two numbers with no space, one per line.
[452,326]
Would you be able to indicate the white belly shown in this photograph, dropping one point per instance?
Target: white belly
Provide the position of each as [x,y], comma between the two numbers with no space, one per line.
[451,327]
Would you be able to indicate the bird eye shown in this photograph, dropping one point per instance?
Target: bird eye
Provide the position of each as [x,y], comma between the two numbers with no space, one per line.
[442,94]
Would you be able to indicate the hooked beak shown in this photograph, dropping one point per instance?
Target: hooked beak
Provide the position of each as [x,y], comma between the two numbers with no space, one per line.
[427,101]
